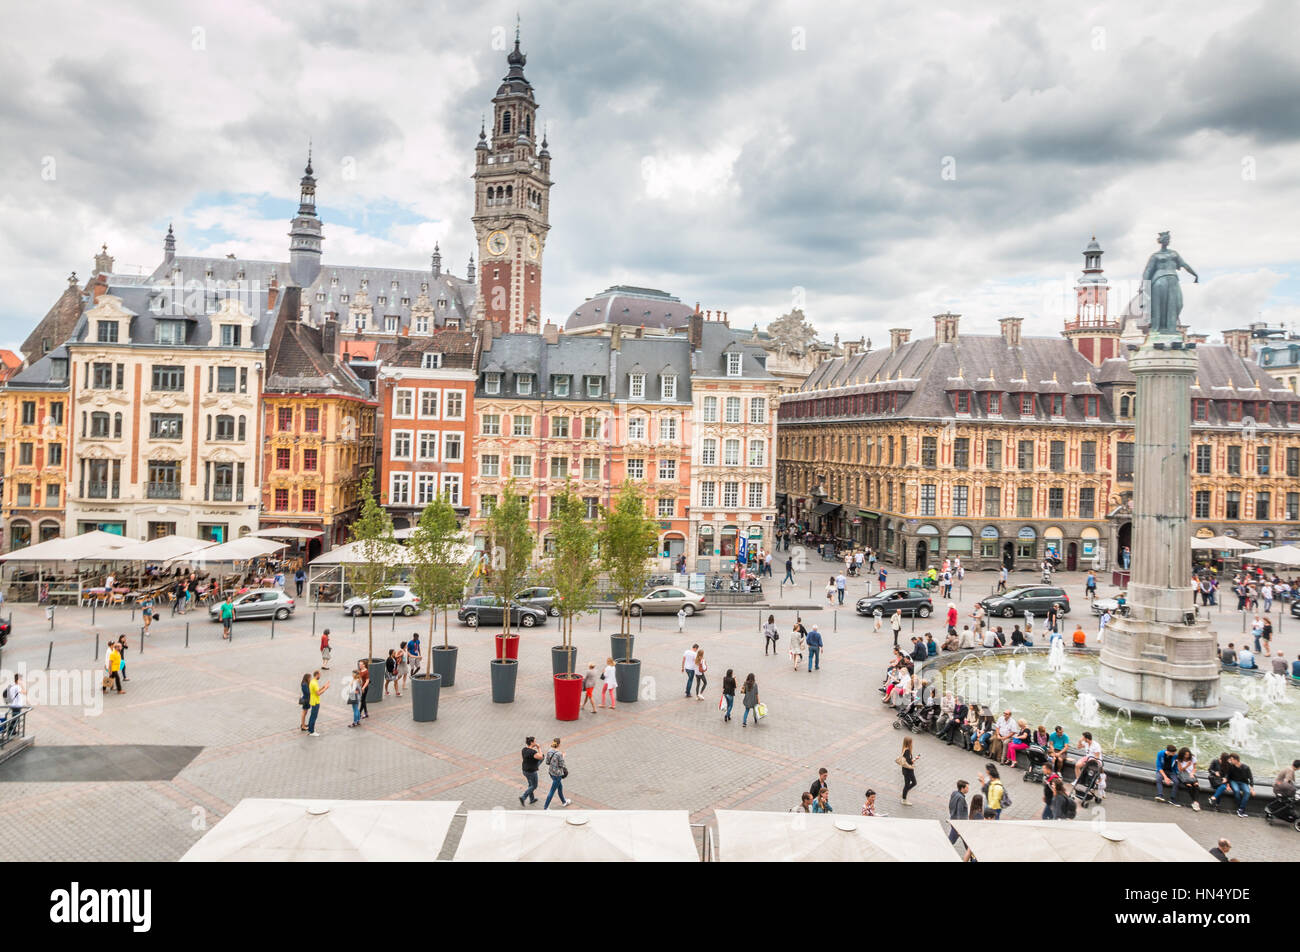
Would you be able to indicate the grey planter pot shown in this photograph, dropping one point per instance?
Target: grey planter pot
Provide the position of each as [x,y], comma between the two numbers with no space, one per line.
[375,690]
[563,659]
[425,689]
[629,680]
[505,672]
[620,646]
[444,664]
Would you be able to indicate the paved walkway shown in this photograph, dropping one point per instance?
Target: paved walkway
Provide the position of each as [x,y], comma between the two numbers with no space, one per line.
[238,701]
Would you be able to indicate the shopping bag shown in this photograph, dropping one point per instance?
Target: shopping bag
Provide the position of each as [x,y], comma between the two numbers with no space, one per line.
[761,711]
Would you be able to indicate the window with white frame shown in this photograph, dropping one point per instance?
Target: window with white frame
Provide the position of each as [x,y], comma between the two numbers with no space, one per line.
[667,508]
[731,412]
[452,448]
[560,385]
[399,489]
[401,444]
[426,488]
[758,409]
[730,495]
[591,467]
[428,361]
[733,363]
[668,469]
[451,487]
[668,429]
[636,387]
[560,427]
[492,382]
[489,464]
[491,424]
[731,452]
[429,404]
[522,467]
[636,428]
[524,384]
[668,388]
[756,495]
[636,469]
[592,428]
[453,405]
[708,494]
[595,386]
[521,425]
[710,409]
[429,446]
[757,452]
[404,403]
[559,467]
[709,452]
[486,504]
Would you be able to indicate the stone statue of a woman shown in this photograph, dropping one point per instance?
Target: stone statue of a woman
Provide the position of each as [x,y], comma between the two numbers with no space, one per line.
[1160,281]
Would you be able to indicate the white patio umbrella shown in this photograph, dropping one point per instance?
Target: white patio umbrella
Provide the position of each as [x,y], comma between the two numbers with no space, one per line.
[160,549]
[287,532]
[1285,555]
[1222,544]
[70,549]
[1079,841]
[295,831]
[621,836]
[351,554]
[747,836]
[236,550]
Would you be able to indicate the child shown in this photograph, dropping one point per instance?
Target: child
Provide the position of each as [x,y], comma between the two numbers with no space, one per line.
[589,687]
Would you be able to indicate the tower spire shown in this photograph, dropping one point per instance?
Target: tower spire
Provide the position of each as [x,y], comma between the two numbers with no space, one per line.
[437,260]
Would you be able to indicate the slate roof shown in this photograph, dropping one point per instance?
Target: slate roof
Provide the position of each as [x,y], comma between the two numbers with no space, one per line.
[40,373]
[719,338]
[458,349]
[631,307]
[57,324]
[652,356]
[300,365]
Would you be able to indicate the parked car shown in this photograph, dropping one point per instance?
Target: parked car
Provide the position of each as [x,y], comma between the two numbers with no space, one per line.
[1036,599]
[1110,604]
[543,598]
[1295,613]
[259,603]
[667,600]
[4,630]
[489,610]
[912,601]
[393,600]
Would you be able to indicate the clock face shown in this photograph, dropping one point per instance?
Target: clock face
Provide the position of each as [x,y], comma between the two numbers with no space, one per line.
[534,247]
[498,242]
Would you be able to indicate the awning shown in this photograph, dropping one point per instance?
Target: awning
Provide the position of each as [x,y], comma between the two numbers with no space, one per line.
[746,836]
[512,836]
[70,549]
[826,508]
[865,514]
[287,532]
[1079,841]
[158,550]
[236,550]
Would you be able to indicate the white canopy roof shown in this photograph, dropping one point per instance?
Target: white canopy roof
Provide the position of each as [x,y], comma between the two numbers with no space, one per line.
[236,550]
[1079,841]
[160,549]
[747,836]
[287,532]
[71,549]
[351,554]
[1286,555]
[295,831]
[515,836]
[1221,544]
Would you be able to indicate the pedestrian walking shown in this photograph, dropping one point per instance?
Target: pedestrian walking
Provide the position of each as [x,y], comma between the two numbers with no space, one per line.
[789,571]
[750,693]
[896,624]
[413,654]
[299,580]
[113,666]
[830,590]
[609,683]
[121,650]
[390,672]
[557,769]
[146,611]
[907,761]
[728,694]
[681,619]
[957,809]
[881,577]
[840,582]
[995,794]
[305,701]
[314,691]
[701,681]
[227,616]
[589,688]
[877,617]
[815,644]
[403,667]
[1090,586]
[688,666]
[354,696]
[325,649]
[532,758]
[796,645]
[770,635]
[178,597]
[365,687]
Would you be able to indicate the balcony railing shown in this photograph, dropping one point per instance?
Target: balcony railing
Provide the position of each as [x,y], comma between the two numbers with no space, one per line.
[97,490]
[164,490]
[223,493]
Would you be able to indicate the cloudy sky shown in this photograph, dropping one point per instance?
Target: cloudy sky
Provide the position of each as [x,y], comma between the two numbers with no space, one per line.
[876,163]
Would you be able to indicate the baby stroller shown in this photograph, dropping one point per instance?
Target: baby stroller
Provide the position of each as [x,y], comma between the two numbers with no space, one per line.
[1284,810]
[912,717]
[1089,786]
[1037,759]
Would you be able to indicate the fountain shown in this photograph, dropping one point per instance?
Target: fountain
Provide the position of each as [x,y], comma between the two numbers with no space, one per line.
[1274,688]
[1088,710]
[1241,730]
[1015,676]
[1056,656]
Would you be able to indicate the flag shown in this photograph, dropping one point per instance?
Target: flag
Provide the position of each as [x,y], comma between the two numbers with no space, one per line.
[742,552]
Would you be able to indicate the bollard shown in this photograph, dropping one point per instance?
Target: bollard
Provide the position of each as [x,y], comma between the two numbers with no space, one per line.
[313,623]
[272,627]
[354,624]
[95,656]
[394,621]
[719,620]
[600,614]
[810,588]
[132,614]
[914,621]
[49,657]
[836,613]
[141,641]
[641,622]
[187,634]
[49,613]
[92,613]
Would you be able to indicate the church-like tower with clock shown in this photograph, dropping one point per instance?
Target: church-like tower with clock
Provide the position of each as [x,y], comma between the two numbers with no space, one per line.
[512,185]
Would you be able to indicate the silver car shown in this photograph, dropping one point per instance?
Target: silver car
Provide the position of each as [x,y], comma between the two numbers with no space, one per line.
[541,598]
[667,600]
[392,600]
[259,603]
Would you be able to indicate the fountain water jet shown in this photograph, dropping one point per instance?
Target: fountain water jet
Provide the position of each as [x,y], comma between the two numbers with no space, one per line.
[1088,710]
[1056,656]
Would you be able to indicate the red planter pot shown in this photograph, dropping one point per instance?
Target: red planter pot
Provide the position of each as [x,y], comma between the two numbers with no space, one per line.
[568,696]
[511,646]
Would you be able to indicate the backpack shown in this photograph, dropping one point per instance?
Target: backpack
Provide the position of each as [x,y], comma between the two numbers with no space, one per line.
[1006,795]
[1070,809]
[550,760]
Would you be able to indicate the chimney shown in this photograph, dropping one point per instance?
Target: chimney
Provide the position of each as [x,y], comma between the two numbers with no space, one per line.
[1238,341]
[550,333]
[615,336]
[272,292]
[1011,330]
[945,328]
[898,336]
[101,285]
[697,330]
[724,318]
[329,336]
[1198,338]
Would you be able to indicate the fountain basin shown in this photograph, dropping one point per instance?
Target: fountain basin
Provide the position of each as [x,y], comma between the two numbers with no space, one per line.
[1222,711]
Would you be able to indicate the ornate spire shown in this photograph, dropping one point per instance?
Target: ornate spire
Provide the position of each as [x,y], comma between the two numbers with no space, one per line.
[169,243]
[437,260]
[469,273]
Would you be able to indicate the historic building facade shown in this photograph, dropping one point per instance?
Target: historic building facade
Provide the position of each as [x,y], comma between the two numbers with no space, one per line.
[34,451]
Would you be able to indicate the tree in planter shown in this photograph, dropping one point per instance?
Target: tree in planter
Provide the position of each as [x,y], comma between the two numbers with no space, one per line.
[573,569]
[628,538]
[510,544]
[437,571]
[373,533]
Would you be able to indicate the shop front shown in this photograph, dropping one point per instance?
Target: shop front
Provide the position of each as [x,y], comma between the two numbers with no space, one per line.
[1026,547]
[960,544]
[990,555]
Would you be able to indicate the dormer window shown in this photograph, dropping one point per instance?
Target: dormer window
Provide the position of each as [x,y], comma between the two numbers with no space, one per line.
[492,383]
[1026,404]
[169,332]
[636,387]
[560,385]
[1058,404]
[963,401]
[58,371]
[595,386]
[390,323]
[1201,410]
[230,335]
[431,361]
[733,363]
[994,403]
[524,384]
[1092,407]
[108,332]
[668,386]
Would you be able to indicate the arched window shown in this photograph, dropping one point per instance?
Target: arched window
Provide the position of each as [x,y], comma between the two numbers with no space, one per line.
[1123,406]
[505,121]
[20,535]
[117,426]
[510,191]
[242,429]
[528,125]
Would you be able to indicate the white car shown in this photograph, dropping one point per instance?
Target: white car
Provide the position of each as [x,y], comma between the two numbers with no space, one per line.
[391,600]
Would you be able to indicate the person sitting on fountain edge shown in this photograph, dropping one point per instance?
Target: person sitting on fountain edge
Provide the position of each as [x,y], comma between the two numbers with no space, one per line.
[1018,638]
[1245,657]
[1079,638]
[1167,774]
[1228,655]
[1239,780]
[1089,749]
[1060,742]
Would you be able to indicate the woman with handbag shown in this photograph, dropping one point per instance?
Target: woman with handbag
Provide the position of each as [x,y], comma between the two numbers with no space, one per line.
[796,646]
[305,700]
[728,694]
[363,671]
[701,682]
[558,770]
[750,692]
[354,697]
[907,761]
[608,683]
[770,635]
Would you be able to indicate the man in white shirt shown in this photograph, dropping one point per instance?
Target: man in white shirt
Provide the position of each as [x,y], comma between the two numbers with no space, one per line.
[1089,749]
[1003,731]
[1245,657]
[688,665]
